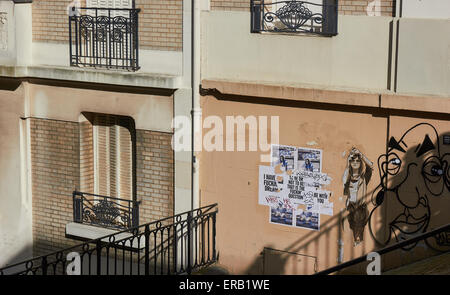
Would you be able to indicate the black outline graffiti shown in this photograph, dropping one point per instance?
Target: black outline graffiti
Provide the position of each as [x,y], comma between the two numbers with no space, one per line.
[434,170]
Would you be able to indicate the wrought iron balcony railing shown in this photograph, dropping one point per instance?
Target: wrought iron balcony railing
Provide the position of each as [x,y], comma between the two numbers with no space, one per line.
[177,244]
[295,16]
[105,211]
[104,38]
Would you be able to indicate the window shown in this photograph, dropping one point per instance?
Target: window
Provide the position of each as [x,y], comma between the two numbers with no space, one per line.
[116,4]
[107,155]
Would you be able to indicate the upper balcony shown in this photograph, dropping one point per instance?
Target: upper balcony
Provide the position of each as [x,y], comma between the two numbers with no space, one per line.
[348,46]
[294,17]
[104,38]
[129,43]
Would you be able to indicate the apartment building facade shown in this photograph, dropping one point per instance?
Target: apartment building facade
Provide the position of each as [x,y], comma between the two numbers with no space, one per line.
[90,89]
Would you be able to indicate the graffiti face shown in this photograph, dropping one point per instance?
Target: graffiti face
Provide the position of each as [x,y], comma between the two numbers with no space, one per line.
[411,171]
[355,163]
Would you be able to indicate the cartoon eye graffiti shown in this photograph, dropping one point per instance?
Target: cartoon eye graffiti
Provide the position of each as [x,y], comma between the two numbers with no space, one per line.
[393,164]
[433,173]
[432,169]
[437,170]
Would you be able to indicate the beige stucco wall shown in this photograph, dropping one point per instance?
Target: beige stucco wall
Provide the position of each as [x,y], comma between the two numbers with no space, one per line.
[424,56]
[150,112]
[243,228]
[426,9]
[357,57]
[15,204]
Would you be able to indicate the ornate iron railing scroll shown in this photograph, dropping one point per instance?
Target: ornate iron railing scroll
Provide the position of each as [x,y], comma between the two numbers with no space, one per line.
[104,38]
[294,17]
[105,211]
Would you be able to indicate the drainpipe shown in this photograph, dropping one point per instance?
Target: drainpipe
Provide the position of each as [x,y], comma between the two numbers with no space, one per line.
[196,110]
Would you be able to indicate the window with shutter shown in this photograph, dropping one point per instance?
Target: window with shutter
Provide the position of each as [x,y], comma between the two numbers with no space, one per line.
[111,4]
[112,144]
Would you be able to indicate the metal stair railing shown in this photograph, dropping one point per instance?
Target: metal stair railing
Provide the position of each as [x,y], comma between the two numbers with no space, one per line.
[387,249]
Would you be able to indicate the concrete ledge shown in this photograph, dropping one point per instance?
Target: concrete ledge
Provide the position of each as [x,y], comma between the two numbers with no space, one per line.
[353,97]
[92,76]
[436,104]
[295,92]
[88,232]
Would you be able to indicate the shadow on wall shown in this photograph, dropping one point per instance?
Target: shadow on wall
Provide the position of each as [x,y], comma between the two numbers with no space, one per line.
[25,253]
[413,197]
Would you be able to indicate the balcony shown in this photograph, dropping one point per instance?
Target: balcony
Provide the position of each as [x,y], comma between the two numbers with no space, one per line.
[105,211]
[104,38]
[294,17]
[179,244]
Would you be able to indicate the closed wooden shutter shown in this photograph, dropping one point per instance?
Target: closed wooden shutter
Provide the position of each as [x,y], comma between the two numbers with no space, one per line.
[112,157]
[111,4]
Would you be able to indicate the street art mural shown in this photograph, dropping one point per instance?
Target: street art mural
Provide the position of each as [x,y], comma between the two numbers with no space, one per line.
[411,198]
[414,172]
[356,177]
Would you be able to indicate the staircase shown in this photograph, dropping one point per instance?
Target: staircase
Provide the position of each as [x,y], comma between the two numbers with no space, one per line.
[437,265]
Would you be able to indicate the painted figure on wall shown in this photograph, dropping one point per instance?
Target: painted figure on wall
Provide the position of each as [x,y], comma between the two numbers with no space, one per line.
[418,173]
[356,177]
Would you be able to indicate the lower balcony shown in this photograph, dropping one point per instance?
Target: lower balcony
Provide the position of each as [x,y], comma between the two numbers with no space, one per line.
[96,216]
[179,244]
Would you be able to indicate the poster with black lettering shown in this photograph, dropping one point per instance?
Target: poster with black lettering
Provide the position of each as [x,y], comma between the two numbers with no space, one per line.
[270,186]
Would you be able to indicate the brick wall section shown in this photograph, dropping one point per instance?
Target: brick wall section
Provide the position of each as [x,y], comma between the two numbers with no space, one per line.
[50,21]
[59,158]
[55,161]
[155,172]
[346,7]
[230,5]
[160,23]
[351,7]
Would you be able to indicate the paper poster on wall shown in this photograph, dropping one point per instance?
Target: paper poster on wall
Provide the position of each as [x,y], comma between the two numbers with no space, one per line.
[309,159]
[270,186]
[280,215]
[295,179]
[307,219]
[326,208]
[315,178]
[284,155]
